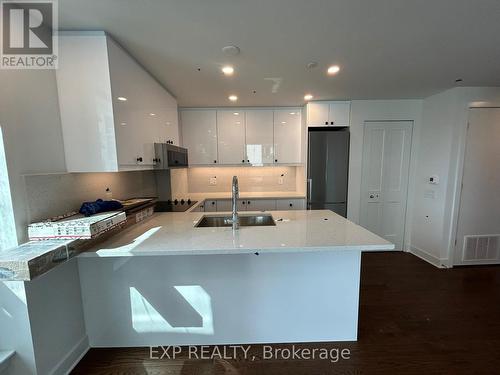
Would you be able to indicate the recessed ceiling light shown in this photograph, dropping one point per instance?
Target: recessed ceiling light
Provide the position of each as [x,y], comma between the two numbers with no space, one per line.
[308,97]
[233,98]
[123,123]
[334,69]
[236,114]
[283,122]
[152,114]
[122,98]
[227,70]
[292,113]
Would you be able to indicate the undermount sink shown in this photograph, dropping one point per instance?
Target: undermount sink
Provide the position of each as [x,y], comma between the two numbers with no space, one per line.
[244,220]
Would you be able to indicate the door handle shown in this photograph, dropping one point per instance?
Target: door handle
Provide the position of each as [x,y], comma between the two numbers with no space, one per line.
[309,188]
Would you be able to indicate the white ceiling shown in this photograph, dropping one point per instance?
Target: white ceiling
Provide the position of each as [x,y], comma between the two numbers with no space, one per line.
[386,48]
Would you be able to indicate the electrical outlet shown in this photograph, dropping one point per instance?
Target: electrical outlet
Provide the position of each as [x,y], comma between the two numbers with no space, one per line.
[213,181]
[280,180]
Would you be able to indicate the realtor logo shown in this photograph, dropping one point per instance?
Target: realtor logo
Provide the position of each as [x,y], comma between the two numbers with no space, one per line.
[29,34]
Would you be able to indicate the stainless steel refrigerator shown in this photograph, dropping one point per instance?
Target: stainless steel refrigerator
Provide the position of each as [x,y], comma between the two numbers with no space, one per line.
[327,169]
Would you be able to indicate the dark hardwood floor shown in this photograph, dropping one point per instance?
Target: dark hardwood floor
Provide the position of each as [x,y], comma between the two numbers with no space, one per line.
[414,319]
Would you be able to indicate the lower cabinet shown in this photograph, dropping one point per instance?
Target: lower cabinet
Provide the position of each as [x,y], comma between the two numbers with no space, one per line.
[225,205]
[260,205]
[290,204]
[210,206]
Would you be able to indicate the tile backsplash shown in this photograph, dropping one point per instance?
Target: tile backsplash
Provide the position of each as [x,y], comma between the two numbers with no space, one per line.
[50,195]
[261,179]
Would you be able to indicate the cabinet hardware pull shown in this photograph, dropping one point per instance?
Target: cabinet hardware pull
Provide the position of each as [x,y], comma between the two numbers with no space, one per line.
[215,161]
[139,160]
[326,122]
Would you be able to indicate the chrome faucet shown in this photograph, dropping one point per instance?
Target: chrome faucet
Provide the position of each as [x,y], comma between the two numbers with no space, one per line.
[235,196]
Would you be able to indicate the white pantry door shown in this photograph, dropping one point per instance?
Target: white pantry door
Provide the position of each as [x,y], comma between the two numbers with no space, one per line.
[384,185]
[478,231]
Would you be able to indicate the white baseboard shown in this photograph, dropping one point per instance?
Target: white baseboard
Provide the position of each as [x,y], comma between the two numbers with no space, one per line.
[429,258]
[71,359]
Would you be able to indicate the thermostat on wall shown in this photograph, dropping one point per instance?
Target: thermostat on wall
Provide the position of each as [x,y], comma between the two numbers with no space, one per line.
[434,180]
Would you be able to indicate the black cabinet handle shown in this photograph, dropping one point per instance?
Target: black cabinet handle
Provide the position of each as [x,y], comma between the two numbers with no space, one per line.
[139,160]
[291,204]
[332,123]
[215,161]
[176,161]
[243,161]
[326,122]
[213,203]
[248,161]
[275,160]
[243,202]
[248,202]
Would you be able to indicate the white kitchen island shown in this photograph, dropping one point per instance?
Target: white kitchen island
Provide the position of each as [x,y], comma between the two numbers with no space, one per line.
[166,282]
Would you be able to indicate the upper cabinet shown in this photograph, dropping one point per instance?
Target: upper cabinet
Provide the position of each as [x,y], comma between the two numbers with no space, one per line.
[287,136]
[259,136]
[231,137]
[199,136]
[328,113]
[112,110]
[243,136]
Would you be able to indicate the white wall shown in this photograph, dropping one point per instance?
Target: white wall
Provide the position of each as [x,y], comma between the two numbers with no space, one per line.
[378,110]
[440,152]
[56,319]
[29,117]
[15,328]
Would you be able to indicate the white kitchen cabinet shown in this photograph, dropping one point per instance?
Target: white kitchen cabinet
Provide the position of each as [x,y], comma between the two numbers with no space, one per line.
[287,136]
[290,204]
[259,136]
[102,133]
[339,113]
[231,137]
[224,205]
[318,113]
[252,137]
[210,206]
[199,136]
[260,204]
[255,204]
[335,113]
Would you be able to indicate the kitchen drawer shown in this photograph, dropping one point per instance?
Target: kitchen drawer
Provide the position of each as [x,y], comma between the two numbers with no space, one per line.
[290,204]
[210,206]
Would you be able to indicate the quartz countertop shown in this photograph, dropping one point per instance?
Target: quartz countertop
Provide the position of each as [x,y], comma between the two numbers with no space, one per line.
[173,233]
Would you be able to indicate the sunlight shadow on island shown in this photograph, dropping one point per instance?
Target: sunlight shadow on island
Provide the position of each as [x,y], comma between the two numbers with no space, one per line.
[146,319]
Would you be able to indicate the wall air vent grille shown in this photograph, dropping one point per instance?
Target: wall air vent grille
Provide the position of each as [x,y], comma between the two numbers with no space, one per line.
[481,247]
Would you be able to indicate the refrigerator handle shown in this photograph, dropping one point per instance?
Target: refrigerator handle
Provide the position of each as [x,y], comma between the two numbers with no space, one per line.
[309,192]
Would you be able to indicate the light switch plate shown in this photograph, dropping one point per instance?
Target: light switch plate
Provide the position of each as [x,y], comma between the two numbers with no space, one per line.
[280,180]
